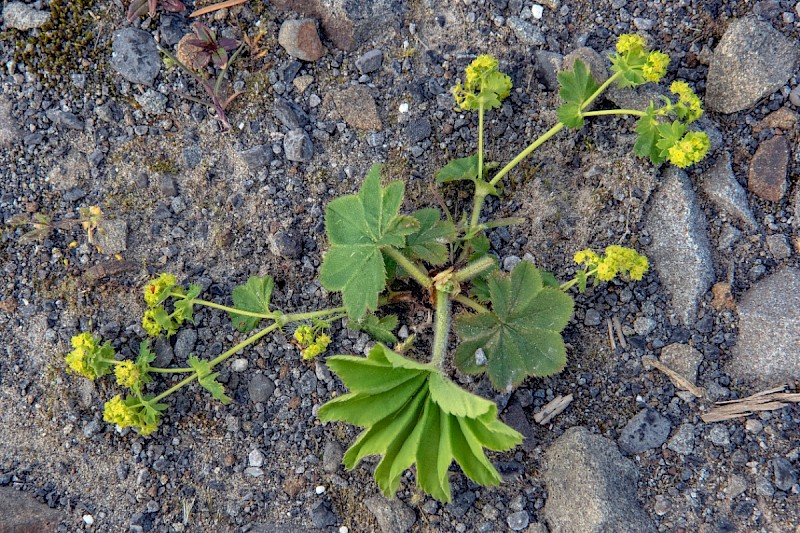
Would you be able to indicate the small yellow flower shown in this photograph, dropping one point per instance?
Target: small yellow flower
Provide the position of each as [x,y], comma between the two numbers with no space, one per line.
[128,374]
[154,291]
[586,257]
[606,270]
[149,323]
[688,101]
[691,149]
[304,335]
[76,360]
[480,66]
[116,412]
[638,270]
[83,340]
[312,351]
[656,66]
[323,341]
[629,42]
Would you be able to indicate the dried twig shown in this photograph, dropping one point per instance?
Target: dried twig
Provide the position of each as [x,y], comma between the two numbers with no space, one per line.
[216,7]
[618,328]
[768,400]
[555,407]
[611,334]
[678,380]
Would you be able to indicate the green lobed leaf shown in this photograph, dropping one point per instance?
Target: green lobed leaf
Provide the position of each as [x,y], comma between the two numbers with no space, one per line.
[577,86]
[463,168]
[669,135]
[521,336]
[207,379]
[415,415]
[253,296]
[379,329]
[647,128]
[358,226]
[630,66]
[429,242]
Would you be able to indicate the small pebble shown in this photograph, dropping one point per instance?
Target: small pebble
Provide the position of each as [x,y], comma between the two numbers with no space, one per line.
[537,11]
[88,519]
[239,365]
[403,108]
[320,489]
[753,426]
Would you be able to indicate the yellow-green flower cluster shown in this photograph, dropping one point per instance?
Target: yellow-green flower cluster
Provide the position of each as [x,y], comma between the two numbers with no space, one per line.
[155,291]
[656,66]
[311,343]
[149,323]
[630,42]
[129,413]
[483,85]
[691,149]
[689,107]
[88,358]
[128,374]
[617,260]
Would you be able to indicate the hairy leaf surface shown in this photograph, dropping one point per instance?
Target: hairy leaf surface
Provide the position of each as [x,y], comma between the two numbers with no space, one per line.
[208,379]
[429,242]
[577,86]
[253,296]
[379,329]
[358,226]
[521,336]
[412,414]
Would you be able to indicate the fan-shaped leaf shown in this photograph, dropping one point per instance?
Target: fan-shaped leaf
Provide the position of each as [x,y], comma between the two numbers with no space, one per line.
[521,337]
[253,296]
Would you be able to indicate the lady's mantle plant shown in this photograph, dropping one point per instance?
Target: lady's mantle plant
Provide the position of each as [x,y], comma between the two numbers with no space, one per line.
[509,324]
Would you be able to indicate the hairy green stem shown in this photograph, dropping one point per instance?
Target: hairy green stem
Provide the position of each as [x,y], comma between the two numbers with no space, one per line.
[170,370]
[604,112]
[474,269]
[223,356]
[569,284]
[409,266]
[480,140]
[232,309]
[441,332]
[469,302]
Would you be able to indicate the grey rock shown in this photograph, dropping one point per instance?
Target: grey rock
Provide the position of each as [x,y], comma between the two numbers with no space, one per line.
[728,236]
[393,516]
[526,32]
[721,187]
[736,486]
[419,130]
[298,146]
[166,185]
[184,343]
[172,28]
[255,458]
[254,471]
[644,325]
[518,521]
[163,351]
[9,132]
[135,56]
[370,61]
[752,60]
[680,251]
[357,107]
[332,456]
[591,486]
[784,475]
[769,331]
[20,512]
[350,23]
[779,246]
[322,516]
[720,435]
[682,442]
[111,236]
[764,487]
[769,168]
[300,39]
[257,157]
[92,428]
[794,96]
[260,388]
[645,431]
[643,24]
[516,418]
[592,317]
[548,65]
[683,359]
[22,16]
[65,118]
[287,245]
[152,102]
[589,57]
[288,115]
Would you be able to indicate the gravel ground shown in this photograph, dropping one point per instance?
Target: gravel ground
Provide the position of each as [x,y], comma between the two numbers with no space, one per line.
[79,127]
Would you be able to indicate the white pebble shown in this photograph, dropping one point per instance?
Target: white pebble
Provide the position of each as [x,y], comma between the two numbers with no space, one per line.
[536,11]
[344,529]
[88,519]
[403,108]
[239,365]
[320,489]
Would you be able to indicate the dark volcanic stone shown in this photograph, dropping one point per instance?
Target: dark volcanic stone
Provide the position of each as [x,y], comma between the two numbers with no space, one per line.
[645,431]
